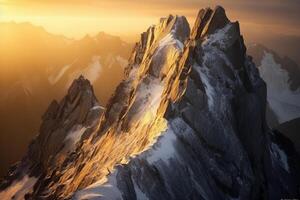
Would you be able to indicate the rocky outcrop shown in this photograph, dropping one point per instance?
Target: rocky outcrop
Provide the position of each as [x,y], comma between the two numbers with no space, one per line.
[188,122]
[291,129]
[65,125]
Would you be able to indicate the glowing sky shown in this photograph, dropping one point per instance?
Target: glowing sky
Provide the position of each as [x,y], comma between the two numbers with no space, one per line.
[128,18]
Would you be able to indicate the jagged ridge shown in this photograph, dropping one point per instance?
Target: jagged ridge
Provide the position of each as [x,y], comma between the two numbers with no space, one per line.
[188,122]
[64,126]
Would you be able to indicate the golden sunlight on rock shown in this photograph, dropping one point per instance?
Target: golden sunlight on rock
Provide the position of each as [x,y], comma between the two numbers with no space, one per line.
[189,111]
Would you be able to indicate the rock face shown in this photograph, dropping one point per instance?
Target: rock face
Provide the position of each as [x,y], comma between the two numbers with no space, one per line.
[30,79]
[64,126]
[291,130]
[187,122]
[282,76]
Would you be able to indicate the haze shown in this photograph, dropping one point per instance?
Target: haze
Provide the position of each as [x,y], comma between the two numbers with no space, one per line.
[76,18]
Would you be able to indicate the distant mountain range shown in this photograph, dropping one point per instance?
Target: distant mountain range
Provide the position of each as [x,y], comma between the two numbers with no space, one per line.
[36,67]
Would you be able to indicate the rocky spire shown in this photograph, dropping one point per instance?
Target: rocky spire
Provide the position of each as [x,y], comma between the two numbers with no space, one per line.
[64,126]
[208,21]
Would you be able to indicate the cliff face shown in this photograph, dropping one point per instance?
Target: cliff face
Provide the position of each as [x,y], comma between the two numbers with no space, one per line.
[187,122]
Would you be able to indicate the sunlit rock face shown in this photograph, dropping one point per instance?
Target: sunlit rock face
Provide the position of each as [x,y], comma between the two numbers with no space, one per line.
[64,126]
[216,144]
[282,76]
[30,79]
[187,122]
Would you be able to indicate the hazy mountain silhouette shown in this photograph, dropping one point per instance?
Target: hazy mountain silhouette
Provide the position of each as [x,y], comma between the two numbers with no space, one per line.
[36,67]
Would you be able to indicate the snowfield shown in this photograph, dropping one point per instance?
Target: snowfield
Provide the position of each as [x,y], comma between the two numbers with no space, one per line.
[284,102]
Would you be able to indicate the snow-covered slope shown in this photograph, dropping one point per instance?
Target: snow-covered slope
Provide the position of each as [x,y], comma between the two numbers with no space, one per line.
[283,86]
[283,101]
[187,122]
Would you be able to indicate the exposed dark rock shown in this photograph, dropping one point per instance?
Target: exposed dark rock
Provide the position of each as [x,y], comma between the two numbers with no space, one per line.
[291,130]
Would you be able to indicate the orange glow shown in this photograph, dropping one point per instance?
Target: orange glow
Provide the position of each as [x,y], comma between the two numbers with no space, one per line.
[128,19]
[124,18]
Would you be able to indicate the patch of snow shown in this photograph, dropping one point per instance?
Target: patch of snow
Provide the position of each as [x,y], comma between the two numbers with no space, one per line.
[100,190]
[284,102]
[74,136]
[280,155]
[147,100]
[211,69]
[209,89]
[98,107]
[163,148]
[149,91]
[55,78]
[169,40]
[219,38]
[19,188]
[93,71]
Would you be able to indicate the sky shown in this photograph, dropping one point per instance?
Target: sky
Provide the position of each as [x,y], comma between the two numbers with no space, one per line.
[128,18]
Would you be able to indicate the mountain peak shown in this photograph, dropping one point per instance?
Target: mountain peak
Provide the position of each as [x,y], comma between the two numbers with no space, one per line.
[79,85]
[171,28]
[208,21]
[187,122]
[79,94]
[79,108]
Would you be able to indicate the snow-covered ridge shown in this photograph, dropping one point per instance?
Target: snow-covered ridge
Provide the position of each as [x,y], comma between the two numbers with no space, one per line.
[104,191]
[172,38]
[283,101]
[211,67]
[143,111]
[219,39]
